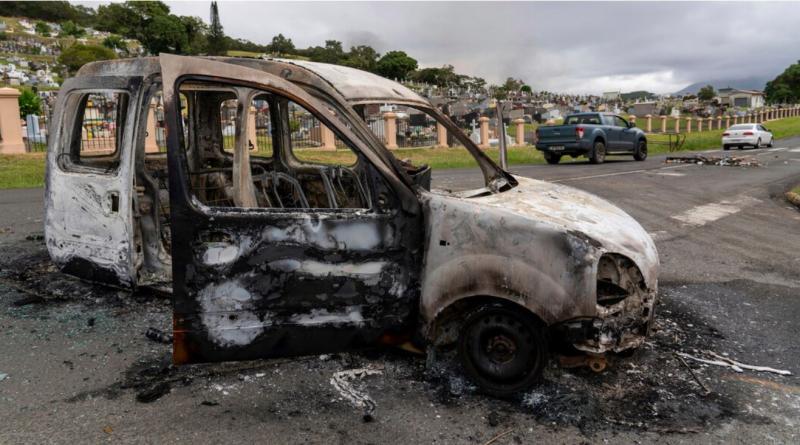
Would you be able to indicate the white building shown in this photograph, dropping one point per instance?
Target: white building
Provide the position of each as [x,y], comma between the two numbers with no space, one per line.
[612,95]
[741,98]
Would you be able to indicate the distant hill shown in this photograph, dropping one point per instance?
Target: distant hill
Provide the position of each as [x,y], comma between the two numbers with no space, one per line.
[749,83]
[637,95]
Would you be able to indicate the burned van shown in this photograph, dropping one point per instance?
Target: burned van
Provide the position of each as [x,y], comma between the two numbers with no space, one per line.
[270,253]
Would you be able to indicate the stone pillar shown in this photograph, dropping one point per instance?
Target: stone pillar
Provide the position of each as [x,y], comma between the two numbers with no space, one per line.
[390,129]
[699,124]
[632,120]
[719,122]
[441,135]
[649,124]
[328,138]
[484,132]
[688,124]
[252,141]
[710,123]
[677,124]
[735,119]
[520,123]
[727,121]
[150,141]
[10,127]
[663,124]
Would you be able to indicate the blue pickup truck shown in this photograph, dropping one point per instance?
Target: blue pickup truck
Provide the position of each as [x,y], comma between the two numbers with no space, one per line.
[591,134]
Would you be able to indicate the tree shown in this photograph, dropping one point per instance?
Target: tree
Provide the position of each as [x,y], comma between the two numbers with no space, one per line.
[29,103]
[43,29]
[196,35]
[526,89]
[216,37]
[164,34]
[78,55]
[706,93]
[395,65]
[52,11]
[119,19]
[115,42]
[443,77]
[281,45]
[362,57]
[69,28]
[332,52]
[785,88]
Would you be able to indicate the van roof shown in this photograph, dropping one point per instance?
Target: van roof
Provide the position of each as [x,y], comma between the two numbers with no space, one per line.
[354,85]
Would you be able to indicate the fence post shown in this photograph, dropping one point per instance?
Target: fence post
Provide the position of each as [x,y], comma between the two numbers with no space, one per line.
[719,122]
[328,138]
[632,119]
[251,128]
[664,124]
[727,121]
[10,128]
[700,124]
[678,124]
[150,141]
[390,129]
[688,124]
[441,135]
[484,123]
[649,124]
[520,123]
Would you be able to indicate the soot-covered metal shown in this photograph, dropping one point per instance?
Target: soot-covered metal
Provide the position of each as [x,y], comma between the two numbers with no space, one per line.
[269,255]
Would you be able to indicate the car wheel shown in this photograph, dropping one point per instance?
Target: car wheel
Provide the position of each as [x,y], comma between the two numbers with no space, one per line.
[552,158]
[503,349]
[640,154]
[598,153]
[726,147]
[758,143]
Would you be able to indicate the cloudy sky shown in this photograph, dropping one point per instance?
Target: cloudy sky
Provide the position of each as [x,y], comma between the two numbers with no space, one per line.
[573,47]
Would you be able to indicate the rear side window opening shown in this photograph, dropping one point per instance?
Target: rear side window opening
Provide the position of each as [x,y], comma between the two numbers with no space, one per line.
[98,131]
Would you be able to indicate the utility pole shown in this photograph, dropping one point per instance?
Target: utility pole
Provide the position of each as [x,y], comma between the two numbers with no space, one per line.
[501,128]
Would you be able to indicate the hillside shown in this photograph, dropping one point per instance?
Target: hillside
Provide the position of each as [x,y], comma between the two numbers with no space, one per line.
[748,83]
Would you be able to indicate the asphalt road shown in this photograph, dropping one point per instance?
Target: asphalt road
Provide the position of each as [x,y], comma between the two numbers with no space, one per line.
[729,246]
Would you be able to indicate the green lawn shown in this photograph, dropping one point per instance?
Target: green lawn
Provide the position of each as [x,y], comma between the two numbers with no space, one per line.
[22,170]
[27,170]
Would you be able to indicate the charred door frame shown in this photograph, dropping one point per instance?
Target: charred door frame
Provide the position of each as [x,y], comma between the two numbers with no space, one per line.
[82,261]
[198,339]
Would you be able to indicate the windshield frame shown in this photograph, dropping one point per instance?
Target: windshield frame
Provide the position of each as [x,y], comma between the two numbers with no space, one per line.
[495,178]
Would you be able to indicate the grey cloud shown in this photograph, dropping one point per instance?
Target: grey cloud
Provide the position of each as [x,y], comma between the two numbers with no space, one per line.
[577,47]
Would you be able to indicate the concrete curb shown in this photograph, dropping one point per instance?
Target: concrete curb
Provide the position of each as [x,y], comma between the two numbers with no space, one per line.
[794,198]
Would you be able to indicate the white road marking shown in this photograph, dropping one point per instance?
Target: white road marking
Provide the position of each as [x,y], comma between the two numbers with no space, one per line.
[706,213]
[659,235]
[671,174]
[604,175]
[795,150]
[777,149]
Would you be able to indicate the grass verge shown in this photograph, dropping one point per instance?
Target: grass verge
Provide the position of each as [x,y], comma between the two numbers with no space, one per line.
[22,170]
[27,170]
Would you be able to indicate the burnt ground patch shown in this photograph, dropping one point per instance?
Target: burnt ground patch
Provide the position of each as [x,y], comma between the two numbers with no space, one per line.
[651,390]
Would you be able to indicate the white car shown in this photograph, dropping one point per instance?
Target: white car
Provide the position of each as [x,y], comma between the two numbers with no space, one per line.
[755,135]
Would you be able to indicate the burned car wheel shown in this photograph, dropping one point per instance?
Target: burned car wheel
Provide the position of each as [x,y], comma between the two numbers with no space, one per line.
[502,349]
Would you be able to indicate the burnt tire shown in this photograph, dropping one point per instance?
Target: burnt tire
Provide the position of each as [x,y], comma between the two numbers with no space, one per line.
[502,349]
[640,154]
[552,158]
[598,154]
